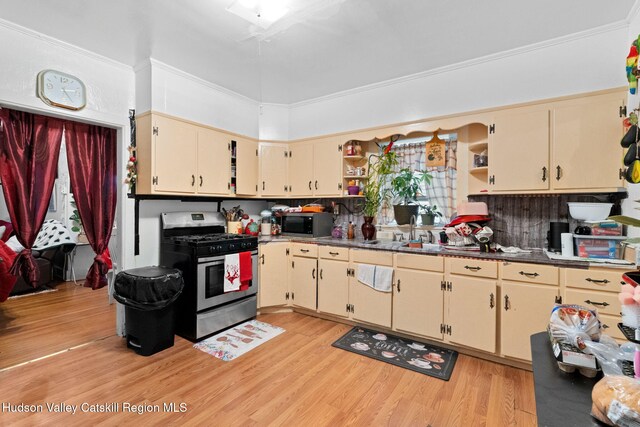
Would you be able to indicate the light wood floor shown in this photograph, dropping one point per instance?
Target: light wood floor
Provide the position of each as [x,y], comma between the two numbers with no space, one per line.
[296,379]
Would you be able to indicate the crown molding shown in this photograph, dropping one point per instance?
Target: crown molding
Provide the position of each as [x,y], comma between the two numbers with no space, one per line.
[615,26]
[166,67]
[59,43]
[633,13]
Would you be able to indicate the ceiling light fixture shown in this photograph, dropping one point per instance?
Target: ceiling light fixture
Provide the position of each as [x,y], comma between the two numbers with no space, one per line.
[262,13]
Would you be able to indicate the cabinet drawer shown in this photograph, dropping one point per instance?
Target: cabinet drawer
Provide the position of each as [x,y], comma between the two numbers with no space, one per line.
[304,249]
[372,257]
[420,262]
[474,267]
[529,273]
[598,280]
[610,326]
[604,302]
[331,252]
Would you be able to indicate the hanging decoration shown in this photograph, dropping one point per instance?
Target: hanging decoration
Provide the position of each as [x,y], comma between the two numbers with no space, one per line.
[132,163]
[435,153]
[632,66]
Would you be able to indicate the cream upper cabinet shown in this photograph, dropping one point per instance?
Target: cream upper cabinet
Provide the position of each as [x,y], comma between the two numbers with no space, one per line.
[301,167]
[519,150]
[214,162]
[303,282]
[586,142]
[327,169]
[274,263]
[273,169]
[246,166]
[525,310]
[418,303]
[176,145]
[472,312]
[333,287]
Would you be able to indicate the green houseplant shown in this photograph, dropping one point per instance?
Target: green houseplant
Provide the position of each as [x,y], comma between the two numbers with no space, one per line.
[376,191]
[405,187]
[429,213]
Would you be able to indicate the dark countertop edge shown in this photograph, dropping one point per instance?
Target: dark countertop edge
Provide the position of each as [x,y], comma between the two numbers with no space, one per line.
[536,257]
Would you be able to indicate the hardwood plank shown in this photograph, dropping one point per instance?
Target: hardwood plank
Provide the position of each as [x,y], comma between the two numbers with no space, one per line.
[297,378]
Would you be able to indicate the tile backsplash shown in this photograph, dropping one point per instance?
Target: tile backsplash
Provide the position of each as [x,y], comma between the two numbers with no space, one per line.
[523,220]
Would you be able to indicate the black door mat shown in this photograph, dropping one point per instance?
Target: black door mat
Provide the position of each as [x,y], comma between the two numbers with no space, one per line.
[427,359]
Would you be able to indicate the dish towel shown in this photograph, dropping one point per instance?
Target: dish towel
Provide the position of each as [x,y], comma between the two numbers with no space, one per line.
[246,270]
[376,277]
[231,273]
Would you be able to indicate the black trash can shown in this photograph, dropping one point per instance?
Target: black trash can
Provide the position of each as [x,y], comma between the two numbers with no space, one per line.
[148,294]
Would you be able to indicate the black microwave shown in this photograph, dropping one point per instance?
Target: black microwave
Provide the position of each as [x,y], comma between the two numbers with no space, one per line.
[307,224]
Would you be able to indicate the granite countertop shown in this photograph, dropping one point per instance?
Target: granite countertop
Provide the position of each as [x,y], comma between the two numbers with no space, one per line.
[537,256]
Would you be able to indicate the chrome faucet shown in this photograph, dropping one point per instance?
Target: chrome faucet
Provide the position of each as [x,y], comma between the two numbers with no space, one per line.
[412,226]
[399,237]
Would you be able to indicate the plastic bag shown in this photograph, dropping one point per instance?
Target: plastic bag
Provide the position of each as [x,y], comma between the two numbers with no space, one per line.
[616,401]
[574,325]
[610,355]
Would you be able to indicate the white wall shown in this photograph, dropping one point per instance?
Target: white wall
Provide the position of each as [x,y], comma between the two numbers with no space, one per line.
[274,122]
[110,94]
[579,63]
[169,90]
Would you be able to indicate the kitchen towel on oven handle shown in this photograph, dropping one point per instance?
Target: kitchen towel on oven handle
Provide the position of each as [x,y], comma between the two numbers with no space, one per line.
[246,270]
[231,273]
[376,277]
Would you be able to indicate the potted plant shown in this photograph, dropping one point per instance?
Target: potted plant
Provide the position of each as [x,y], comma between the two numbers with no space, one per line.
[429,213]
[376,191]
[405,188]
[76,223]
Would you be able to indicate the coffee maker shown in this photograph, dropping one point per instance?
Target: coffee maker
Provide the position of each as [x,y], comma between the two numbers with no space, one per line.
[554,235]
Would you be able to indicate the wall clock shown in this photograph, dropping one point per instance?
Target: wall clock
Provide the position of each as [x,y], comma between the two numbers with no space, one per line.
[63,90]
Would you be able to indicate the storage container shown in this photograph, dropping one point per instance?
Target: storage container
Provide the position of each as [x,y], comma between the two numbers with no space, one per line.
[598,246]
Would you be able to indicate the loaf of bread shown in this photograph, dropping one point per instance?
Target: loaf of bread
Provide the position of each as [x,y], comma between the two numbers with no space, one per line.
[616,401]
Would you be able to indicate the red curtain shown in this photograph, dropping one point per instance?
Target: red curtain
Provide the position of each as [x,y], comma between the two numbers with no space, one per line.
[29,149]
[91,154]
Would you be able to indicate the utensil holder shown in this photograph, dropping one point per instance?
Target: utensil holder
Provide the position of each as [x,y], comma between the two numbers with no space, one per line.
[234,227]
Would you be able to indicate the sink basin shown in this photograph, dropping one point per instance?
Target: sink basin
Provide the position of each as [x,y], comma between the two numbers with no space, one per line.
[425,246]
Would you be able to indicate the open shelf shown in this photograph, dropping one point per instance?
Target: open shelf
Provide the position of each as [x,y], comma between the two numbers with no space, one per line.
[479,170]
[360,157]
[356,177]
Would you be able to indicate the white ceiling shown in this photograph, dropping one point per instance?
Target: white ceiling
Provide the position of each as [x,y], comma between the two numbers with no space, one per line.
[322,47]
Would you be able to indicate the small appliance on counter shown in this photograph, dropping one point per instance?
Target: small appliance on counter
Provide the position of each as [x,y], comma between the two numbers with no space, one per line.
[303,224]
[554,235]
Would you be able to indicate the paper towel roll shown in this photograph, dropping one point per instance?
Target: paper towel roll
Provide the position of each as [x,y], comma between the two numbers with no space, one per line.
[567,244]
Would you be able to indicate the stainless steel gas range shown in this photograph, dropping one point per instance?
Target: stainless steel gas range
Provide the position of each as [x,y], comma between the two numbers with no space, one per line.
[196,243]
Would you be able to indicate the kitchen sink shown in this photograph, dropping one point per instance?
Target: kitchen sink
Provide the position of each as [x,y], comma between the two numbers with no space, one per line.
[426,246]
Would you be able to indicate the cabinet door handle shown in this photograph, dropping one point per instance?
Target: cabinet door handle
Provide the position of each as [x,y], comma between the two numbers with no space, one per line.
[262,259]
[597,281]
[605,326]
[524,273]
[309,185]
[313,273]
[473,268]
[398,285]
[507,303]
[263,185]
[201,180]
[320,274]
[316,185]
[193,180]
[603,304]
[492,300]
[621,173]
[544,173]
[558,171]
[334,253]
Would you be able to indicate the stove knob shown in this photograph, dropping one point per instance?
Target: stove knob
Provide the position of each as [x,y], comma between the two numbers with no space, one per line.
[243,245]
[218,248]
[212,249]
[232,246]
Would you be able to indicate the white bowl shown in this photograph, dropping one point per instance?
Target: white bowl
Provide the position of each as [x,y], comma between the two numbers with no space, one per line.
[590,211]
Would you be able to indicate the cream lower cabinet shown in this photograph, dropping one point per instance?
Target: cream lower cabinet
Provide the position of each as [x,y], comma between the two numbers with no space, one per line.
[367,304]
[303,279]
[418,295]
[333,287]
[525,310]
[274,264]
